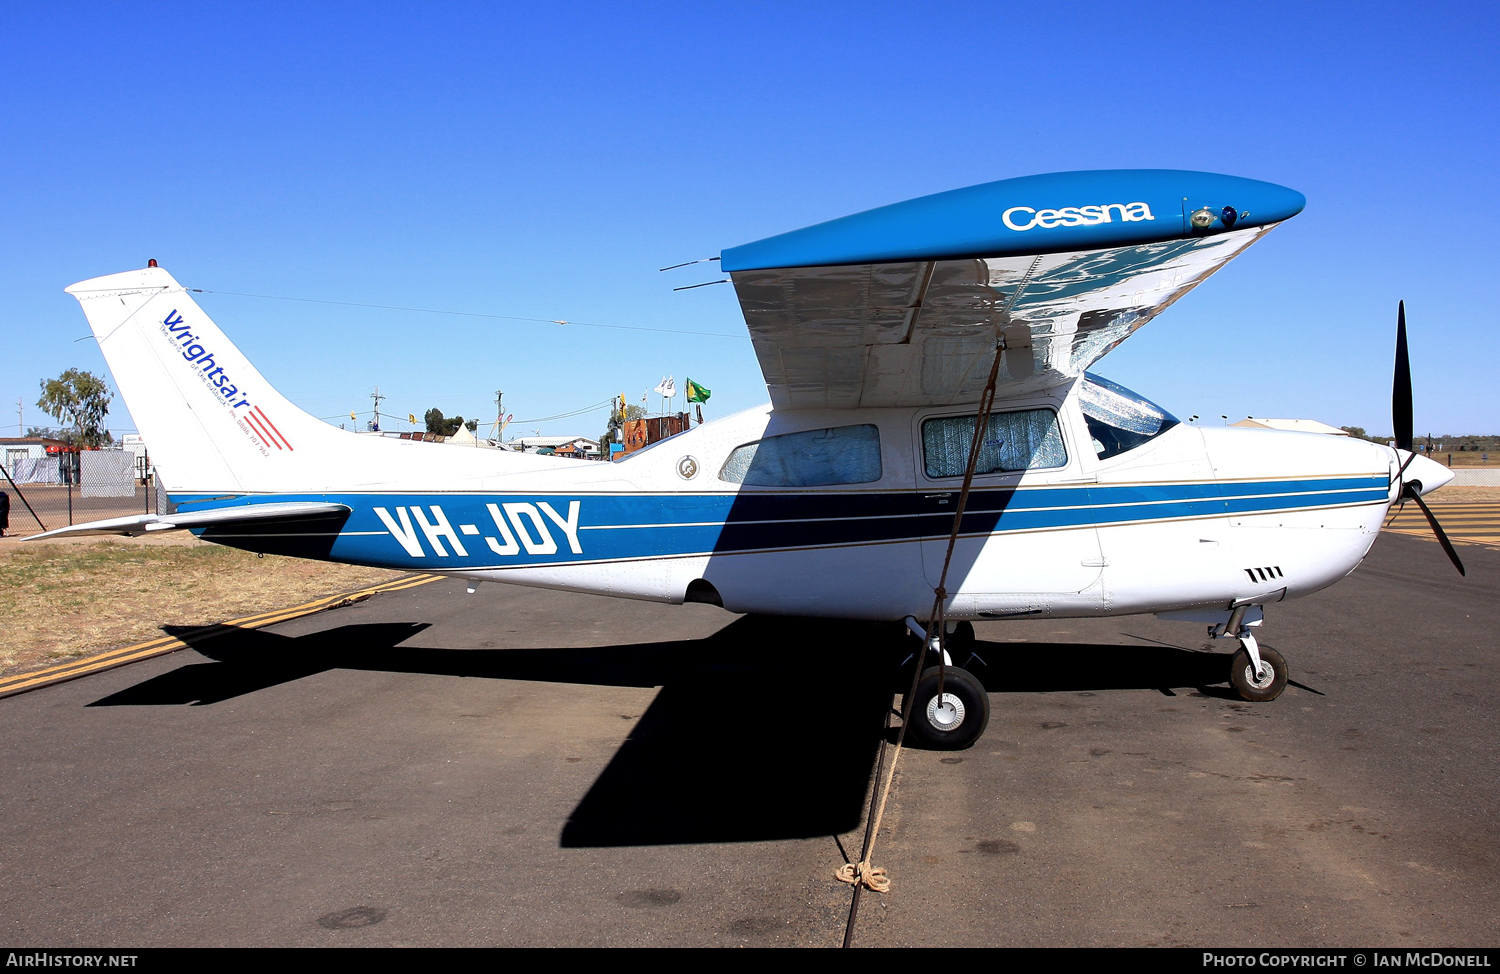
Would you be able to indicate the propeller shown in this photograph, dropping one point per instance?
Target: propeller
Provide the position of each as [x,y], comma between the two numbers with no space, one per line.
[1401,419]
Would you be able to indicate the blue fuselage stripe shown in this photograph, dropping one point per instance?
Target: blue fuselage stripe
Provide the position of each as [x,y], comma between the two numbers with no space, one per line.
[608,527]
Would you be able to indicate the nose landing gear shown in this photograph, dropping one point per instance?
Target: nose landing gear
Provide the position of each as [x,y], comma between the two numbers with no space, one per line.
[1261,686]
[1257,673]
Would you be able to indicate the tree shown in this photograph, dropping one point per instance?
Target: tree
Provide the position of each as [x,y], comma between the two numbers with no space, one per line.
[616,422]
[1358,432]
[81,400]
[446,425]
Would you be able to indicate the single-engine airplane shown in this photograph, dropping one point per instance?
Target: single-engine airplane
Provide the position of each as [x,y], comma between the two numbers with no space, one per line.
[884,337]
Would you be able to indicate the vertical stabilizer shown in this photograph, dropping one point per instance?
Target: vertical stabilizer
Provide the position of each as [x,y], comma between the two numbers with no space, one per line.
[212,422]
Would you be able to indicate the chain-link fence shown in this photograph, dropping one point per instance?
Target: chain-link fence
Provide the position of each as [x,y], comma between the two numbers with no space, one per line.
[46,493]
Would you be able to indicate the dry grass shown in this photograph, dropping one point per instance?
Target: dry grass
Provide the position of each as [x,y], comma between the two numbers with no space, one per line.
[1464,495]
[65,600]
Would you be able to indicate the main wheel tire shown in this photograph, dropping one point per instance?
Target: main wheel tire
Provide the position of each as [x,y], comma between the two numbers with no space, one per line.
[1260,689]
[953,723]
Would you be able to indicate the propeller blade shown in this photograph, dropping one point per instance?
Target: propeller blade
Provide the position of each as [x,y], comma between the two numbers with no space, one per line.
[1401,385]
[1402,472]
[1438,530]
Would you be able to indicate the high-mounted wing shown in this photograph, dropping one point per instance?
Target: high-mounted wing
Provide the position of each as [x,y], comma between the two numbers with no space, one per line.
[902,305]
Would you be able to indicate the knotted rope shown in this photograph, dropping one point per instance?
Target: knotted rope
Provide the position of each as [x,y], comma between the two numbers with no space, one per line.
[868,876]
[862,874]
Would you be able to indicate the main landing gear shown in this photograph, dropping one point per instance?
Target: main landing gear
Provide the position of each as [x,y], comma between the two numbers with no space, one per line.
[1257,673]
[953,721]
[956,718]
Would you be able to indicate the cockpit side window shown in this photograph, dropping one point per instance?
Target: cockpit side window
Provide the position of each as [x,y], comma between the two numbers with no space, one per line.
[1118,419]
[815,458]
[1027,439]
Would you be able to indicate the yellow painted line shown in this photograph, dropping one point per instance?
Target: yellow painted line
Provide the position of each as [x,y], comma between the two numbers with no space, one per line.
[72,670]
[1465,508]
[1448,523]
[1488,541]
[1466,522]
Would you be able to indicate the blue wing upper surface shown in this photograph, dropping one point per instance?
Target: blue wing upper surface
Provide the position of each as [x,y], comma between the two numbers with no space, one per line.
[902,305]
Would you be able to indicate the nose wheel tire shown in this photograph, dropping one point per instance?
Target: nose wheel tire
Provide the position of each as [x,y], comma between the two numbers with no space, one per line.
[954,721]
[1261,687]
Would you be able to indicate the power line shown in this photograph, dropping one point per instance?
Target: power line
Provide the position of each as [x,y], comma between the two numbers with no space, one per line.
[538,419]
[569,415]
[468,314]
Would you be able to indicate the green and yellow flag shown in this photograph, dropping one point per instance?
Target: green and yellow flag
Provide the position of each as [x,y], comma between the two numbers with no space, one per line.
[696,393]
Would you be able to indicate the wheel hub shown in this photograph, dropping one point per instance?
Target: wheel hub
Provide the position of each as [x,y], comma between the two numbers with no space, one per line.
[945,714]
[1267,677]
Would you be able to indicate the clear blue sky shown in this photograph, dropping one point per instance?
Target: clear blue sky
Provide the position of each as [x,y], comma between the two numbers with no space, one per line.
[543,160]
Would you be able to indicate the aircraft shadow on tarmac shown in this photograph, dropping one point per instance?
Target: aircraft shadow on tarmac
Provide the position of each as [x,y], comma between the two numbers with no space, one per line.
[746,741]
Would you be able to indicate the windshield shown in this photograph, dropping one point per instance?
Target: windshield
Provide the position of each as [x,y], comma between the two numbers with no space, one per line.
[1118,419]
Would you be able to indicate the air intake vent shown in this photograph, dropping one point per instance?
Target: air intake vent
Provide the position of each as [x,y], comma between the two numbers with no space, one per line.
[1264,574]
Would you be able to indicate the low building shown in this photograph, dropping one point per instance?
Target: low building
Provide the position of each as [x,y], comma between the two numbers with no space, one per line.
[19,453]
[641,433]
[135,444]
[580,447]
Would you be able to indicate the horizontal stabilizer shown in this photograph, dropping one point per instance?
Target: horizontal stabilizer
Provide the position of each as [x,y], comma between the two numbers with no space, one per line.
[140,524]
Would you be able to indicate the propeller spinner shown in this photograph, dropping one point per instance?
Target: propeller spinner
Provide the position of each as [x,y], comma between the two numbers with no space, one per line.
[1418,474]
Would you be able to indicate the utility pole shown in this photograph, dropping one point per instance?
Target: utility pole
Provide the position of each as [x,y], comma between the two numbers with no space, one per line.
[20,422]
[499,416]
[375,423]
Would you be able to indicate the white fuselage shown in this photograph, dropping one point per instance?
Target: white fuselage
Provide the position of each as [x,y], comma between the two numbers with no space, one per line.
[1196,518]
[829,512]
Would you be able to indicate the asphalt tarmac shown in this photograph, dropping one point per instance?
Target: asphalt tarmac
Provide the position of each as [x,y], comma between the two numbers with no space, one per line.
[519,767]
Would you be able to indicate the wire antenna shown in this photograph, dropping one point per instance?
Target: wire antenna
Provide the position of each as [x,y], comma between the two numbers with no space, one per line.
[466,314]
[700,260]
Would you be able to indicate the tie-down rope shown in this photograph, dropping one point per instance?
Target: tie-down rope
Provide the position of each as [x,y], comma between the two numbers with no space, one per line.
[862,874]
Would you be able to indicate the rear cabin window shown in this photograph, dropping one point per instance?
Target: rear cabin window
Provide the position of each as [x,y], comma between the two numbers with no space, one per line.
[1118,419]
[1024,440]
[816,458]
